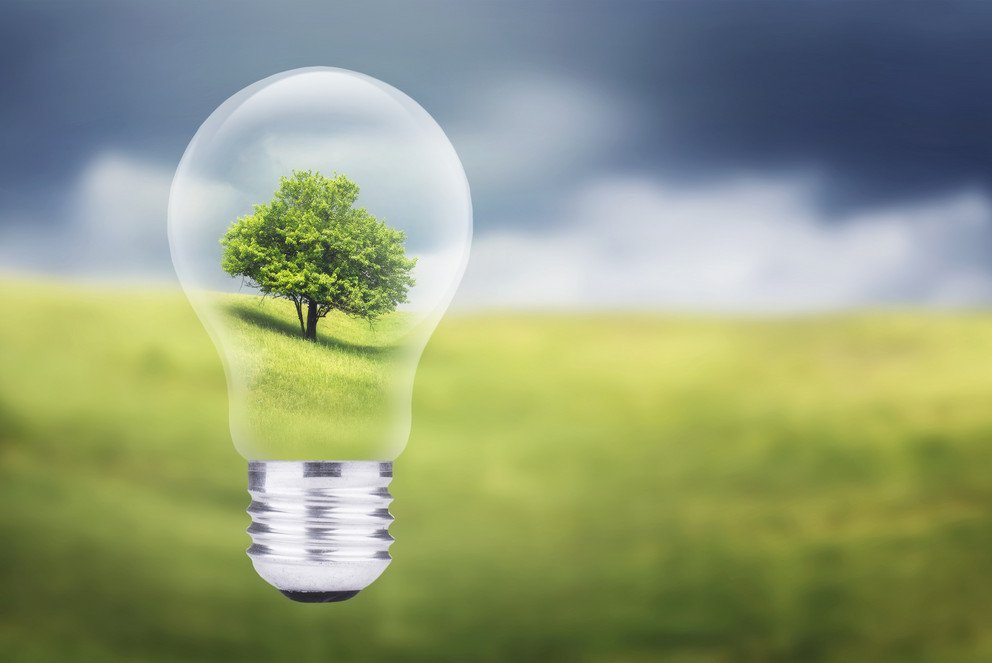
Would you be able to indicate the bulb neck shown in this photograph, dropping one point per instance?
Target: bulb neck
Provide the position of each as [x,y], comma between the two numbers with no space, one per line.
[319,529]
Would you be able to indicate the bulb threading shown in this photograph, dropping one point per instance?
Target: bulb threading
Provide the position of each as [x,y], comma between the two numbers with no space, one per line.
[320,529]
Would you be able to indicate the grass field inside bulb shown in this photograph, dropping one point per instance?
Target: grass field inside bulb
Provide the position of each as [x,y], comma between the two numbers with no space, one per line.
[621,487]
[345,396]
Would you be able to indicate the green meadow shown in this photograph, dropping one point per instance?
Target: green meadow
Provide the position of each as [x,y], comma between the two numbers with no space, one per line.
[616,487]
[345,396]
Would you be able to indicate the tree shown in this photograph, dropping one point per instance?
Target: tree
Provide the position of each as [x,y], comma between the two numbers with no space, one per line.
[311,245]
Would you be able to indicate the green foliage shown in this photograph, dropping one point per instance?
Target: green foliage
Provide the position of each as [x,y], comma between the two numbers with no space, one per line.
[310,244]
[577,487]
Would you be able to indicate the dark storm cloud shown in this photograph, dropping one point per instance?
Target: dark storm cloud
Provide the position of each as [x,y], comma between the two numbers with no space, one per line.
[884,100]
[887,100]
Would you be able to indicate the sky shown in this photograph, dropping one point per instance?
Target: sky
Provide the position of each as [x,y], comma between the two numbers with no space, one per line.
[762,156]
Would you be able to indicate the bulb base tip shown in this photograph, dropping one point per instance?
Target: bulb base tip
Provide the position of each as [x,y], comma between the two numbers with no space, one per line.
[318,597]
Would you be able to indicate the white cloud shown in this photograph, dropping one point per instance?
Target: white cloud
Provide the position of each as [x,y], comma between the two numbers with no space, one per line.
[758,244]
[743,245]
[113,224]
[121,203]
[528,129]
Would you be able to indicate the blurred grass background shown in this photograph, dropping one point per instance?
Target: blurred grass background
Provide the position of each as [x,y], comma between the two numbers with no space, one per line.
[612,487]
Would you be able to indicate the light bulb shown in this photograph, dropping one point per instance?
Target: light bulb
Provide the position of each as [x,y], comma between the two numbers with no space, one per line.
[324,199]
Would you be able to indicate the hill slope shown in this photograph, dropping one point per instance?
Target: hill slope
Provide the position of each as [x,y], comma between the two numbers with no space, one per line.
[614,488]
[345,396]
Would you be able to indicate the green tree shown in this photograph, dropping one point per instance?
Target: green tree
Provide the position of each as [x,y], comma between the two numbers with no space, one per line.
[311,245]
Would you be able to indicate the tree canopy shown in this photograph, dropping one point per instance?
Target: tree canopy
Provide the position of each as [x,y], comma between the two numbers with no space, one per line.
[311,245]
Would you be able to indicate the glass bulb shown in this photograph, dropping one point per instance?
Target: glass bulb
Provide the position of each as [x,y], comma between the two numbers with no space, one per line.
[319,223]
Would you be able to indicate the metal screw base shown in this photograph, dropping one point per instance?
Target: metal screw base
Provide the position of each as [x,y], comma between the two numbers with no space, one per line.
[320,529]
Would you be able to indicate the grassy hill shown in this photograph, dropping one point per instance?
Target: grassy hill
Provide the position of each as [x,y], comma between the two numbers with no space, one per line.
[344,397]
[616,487]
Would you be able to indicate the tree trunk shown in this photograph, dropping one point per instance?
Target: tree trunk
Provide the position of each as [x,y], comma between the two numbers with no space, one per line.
[312,317]
[299,314]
